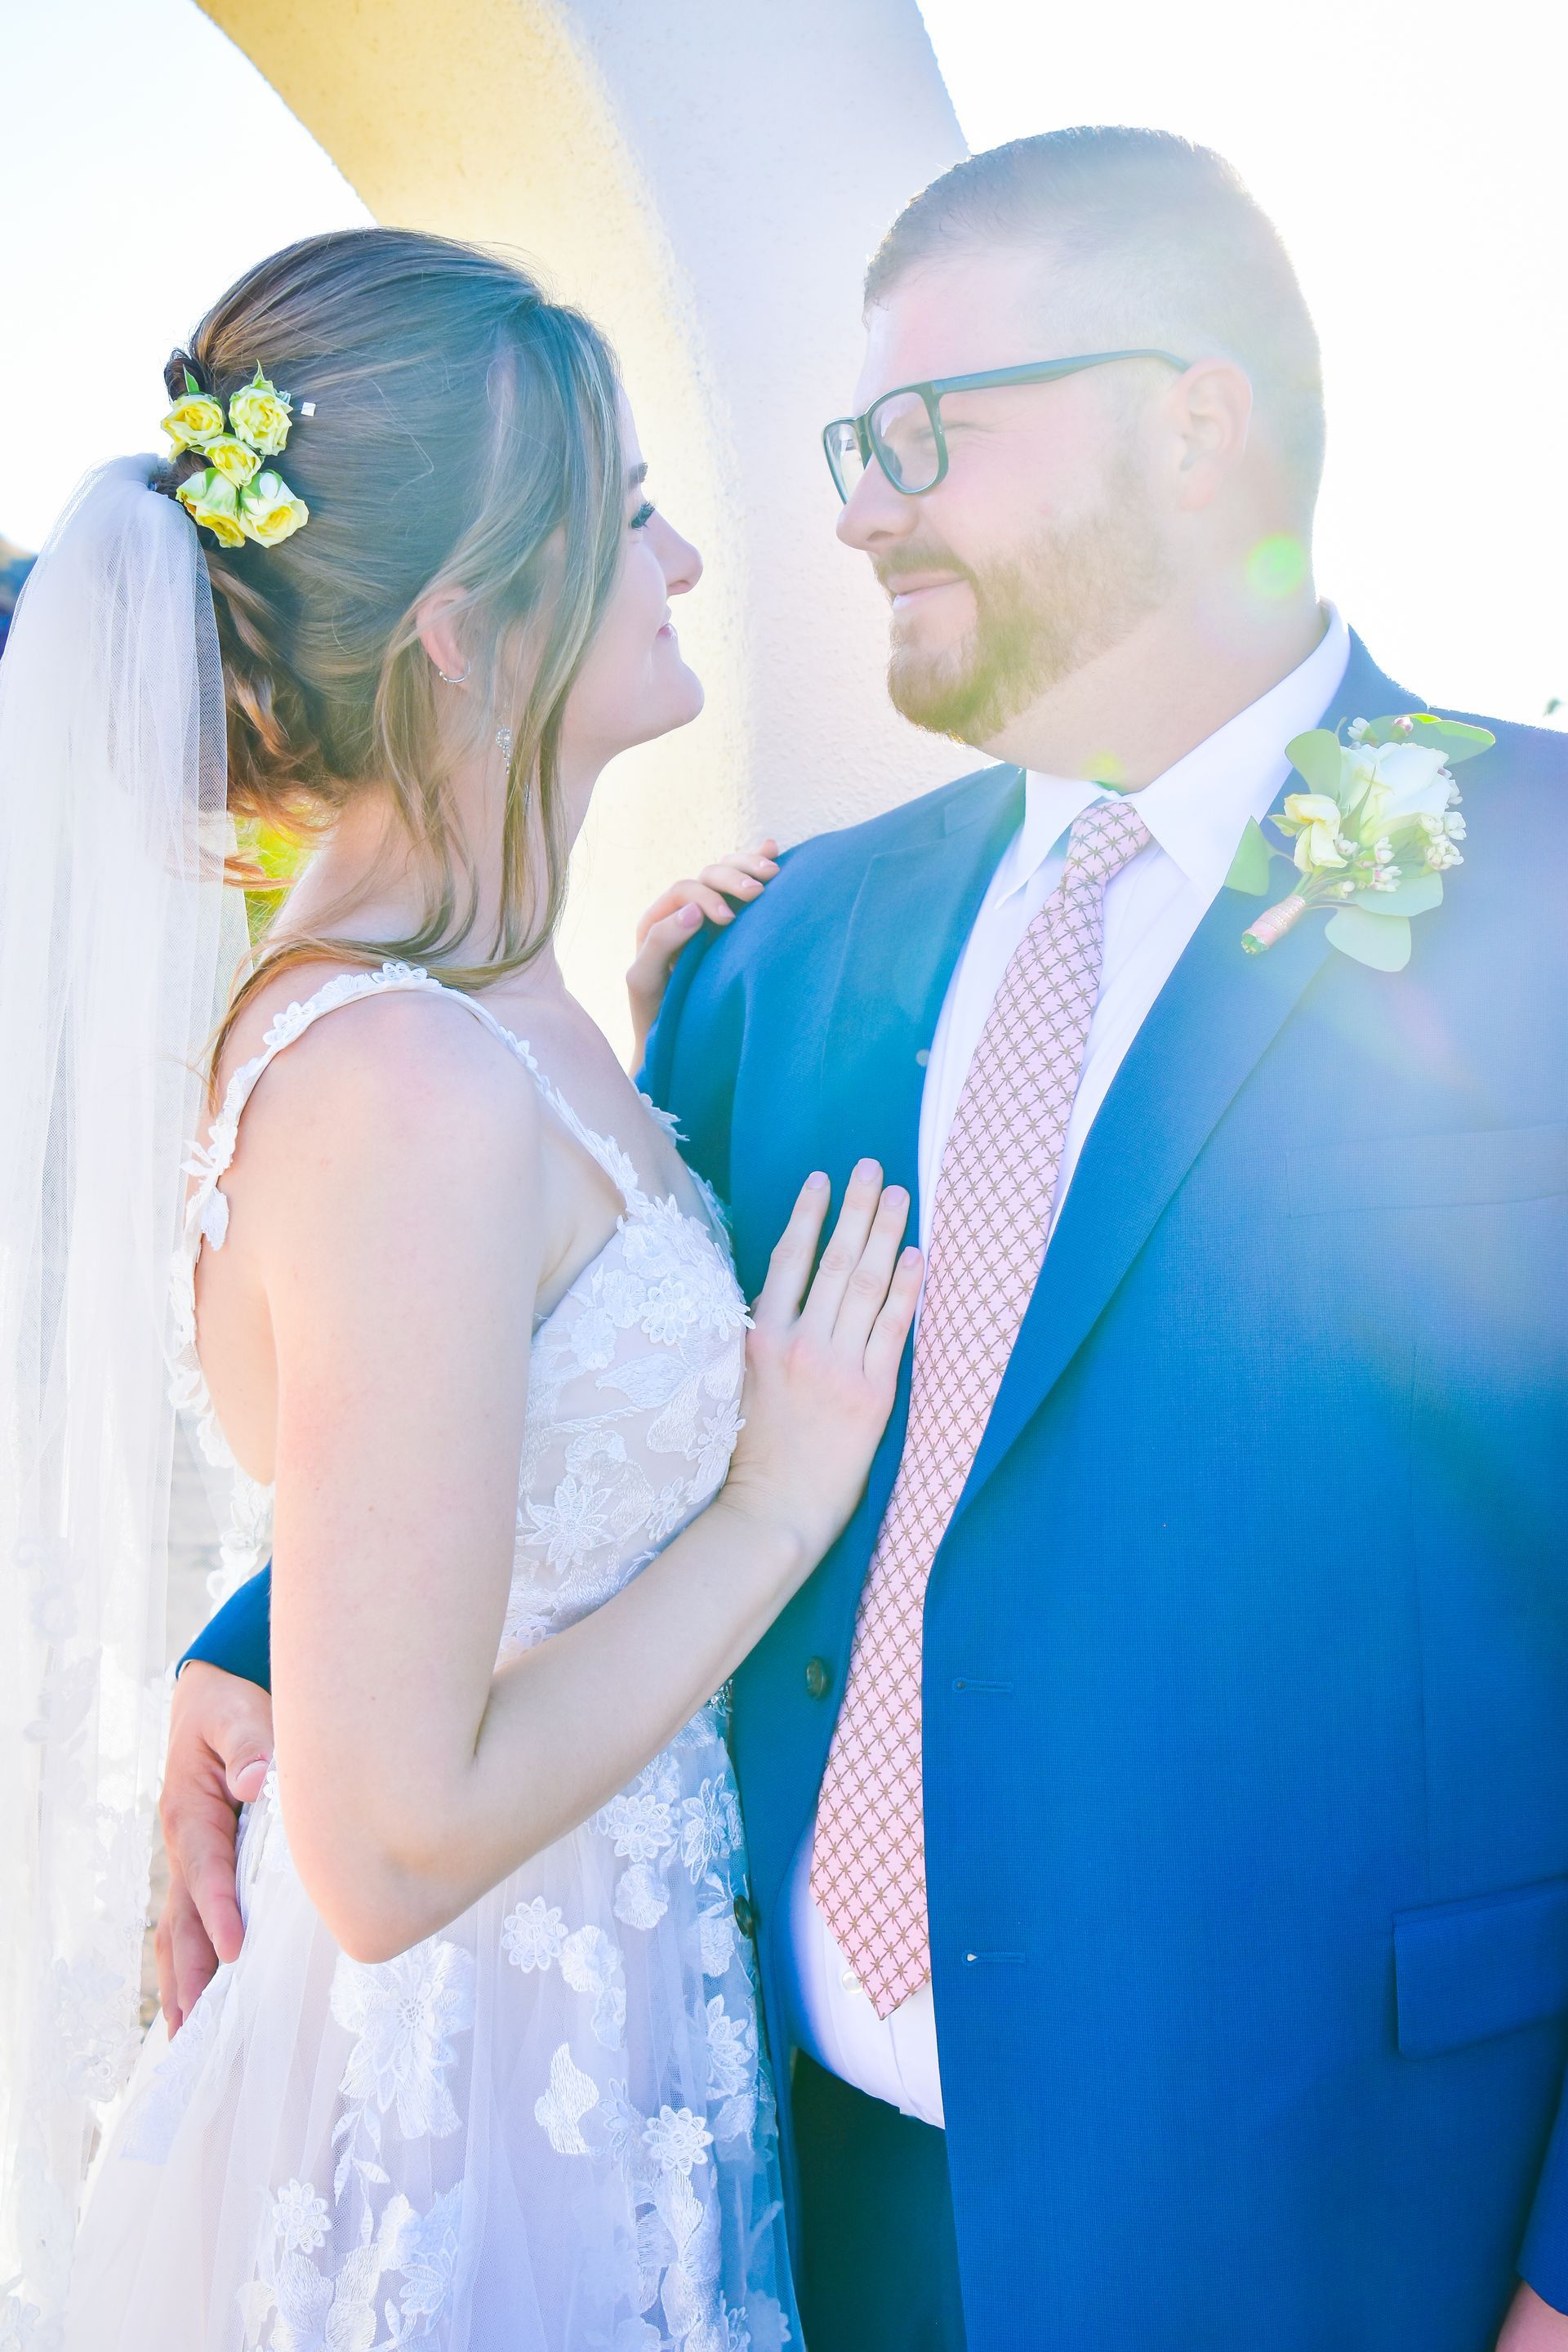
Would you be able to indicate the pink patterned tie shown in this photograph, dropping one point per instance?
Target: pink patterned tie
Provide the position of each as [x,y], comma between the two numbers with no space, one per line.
[990,1221]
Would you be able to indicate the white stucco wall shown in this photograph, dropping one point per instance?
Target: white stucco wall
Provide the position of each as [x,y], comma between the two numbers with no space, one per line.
[777,143]
[708,180]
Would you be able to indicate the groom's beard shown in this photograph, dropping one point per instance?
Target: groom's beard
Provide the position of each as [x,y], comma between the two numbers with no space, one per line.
[1081,588]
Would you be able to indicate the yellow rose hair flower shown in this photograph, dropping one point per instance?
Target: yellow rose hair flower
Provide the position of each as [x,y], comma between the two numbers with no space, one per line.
[260,415]
[213,503]
[194,422]
[234,459]
[235,496]
[269,513]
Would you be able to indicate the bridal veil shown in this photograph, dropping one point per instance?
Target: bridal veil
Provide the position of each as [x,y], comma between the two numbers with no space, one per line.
[117,946]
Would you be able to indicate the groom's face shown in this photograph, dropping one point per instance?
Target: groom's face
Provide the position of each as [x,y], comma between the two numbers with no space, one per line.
[1042,546]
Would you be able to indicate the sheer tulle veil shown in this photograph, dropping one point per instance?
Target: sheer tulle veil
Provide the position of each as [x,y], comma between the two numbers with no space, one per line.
[118,944]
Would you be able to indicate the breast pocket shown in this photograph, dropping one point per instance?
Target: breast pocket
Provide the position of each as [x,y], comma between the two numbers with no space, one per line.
[1428,1172]
[1466,1971]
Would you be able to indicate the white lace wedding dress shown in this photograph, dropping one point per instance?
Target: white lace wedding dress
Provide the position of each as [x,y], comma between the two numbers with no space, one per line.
[549,2127]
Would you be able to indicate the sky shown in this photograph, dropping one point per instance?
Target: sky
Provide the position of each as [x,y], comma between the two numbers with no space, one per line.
[146,163]
[1414,153]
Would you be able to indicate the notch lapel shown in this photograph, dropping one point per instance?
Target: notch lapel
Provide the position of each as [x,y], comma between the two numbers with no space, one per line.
[1214,1020]
[912,913]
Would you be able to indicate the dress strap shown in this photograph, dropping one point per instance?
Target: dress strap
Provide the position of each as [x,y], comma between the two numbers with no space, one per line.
[616,1164]
[207,1210]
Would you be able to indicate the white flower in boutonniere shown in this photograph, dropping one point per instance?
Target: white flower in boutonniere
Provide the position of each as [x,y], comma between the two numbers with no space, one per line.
[1372,836]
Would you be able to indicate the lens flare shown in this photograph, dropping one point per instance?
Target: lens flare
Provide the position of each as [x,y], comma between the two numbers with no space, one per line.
[1276,567]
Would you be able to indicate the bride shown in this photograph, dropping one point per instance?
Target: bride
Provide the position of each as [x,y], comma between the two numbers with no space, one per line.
[458,1329]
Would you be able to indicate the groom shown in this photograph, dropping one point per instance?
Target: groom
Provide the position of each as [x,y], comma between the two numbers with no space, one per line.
[1158,1803]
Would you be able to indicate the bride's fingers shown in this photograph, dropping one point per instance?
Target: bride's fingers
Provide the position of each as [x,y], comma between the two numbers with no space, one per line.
[794,1253]
[674,900]
[871,1278]
[669,902]
[701,894]
[743,876]
[734,888]
[891,1327]
[740,877]
[650,968]
[842,1254]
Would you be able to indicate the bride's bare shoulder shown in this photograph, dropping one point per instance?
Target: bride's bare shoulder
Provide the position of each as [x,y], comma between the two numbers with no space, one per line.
[348,1050]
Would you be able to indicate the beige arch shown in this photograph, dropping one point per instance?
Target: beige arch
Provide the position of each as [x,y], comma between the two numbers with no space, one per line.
[707,181]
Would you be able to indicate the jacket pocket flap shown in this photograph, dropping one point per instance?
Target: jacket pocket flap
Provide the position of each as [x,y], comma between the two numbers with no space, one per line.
[1465,1971]
[1428,1172]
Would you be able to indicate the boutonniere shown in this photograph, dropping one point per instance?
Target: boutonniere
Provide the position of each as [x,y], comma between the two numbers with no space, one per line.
[1376,831]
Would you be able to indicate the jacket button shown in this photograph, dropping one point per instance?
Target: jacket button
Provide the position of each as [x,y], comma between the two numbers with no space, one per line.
[818,1680]
[745,1915]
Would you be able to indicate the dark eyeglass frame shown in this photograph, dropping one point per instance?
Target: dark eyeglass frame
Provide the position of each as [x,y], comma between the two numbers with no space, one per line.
[1040,372]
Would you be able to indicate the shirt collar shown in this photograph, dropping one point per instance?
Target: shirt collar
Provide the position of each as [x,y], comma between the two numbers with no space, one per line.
[1197,810]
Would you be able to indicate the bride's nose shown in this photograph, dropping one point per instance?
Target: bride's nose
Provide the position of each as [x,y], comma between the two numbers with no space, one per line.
[682,564]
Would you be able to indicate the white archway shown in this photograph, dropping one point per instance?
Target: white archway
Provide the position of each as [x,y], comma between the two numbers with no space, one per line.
[708,181]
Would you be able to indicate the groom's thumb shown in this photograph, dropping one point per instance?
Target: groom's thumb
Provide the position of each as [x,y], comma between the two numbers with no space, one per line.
[245,1779]
[241,1738]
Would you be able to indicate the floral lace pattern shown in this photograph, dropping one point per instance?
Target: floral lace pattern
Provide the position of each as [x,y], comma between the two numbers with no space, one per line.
[550,2124]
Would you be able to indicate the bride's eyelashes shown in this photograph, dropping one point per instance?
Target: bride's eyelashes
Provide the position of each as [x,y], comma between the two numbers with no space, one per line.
[644,515]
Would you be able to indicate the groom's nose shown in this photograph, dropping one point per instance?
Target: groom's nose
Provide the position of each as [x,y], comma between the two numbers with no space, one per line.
[876,515]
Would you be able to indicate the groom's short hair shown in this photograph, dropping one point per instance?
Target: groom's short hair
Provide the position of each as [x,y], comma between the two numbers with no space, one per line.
[1167,248]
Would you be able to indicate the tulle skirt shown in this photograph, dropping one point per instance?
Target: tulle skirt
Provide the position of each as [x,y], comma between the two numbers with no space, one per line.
[548,2128]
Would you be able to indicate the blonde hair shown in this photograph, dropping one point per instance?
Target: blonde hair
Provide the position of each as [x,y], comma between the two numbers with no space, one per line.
[465,437]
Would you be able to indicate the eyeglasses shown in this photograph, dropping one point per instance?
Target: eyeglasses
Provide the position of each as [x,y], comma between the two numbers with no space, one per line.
[903,430]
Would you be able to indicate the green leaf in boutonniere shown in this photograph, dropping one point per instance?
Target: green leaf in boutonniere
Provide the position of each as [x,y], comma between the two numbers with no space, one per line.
[1416,897]
[1381,940]
[1424,729]
[1317,756]
[1250,866]
[1375,833]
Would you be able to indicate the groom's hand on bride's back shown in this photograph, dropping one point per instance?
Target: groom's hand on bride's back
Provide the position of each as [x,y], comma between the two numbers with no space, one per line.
[220,1744]
[677,914]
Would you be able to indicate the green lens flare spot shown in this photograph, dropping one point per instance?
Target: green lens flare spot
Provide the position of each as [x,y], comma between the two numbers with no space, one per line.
[1276,567]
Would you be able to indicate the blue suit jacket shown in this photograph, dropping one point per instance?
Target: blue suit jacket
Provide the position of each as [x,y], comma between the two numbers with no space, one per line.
[1246,1679]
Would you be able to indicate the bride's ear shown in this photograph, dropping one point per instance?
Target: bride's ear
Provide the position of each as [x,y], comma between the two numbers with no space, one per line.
[435,618]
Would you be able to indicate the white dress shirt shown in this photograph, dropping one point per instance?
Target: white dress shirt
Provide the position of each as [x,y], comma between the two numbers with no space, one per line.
[1197,812]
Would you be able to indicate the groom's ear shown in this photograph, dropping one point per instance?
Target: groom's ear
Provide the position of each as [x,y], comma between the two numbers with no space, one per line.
[1211,416]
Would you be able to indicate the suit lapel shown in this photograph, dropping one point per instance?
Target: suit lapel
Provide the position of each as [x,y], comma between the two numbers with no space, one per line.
[1210,1024]
[914,908]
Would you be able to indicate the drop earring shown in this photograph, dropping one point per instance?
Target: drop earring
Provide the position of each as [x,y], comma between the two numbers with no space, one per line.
[461,678]
[503,736]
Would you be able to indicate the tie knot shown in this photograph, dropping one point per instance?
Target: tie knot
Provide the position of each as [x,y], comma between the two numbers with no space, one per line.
[1104,839]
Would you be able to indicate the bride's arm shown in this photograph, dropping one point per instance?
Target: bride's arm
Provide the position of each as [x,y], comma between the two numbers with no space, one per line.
[396,1204]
